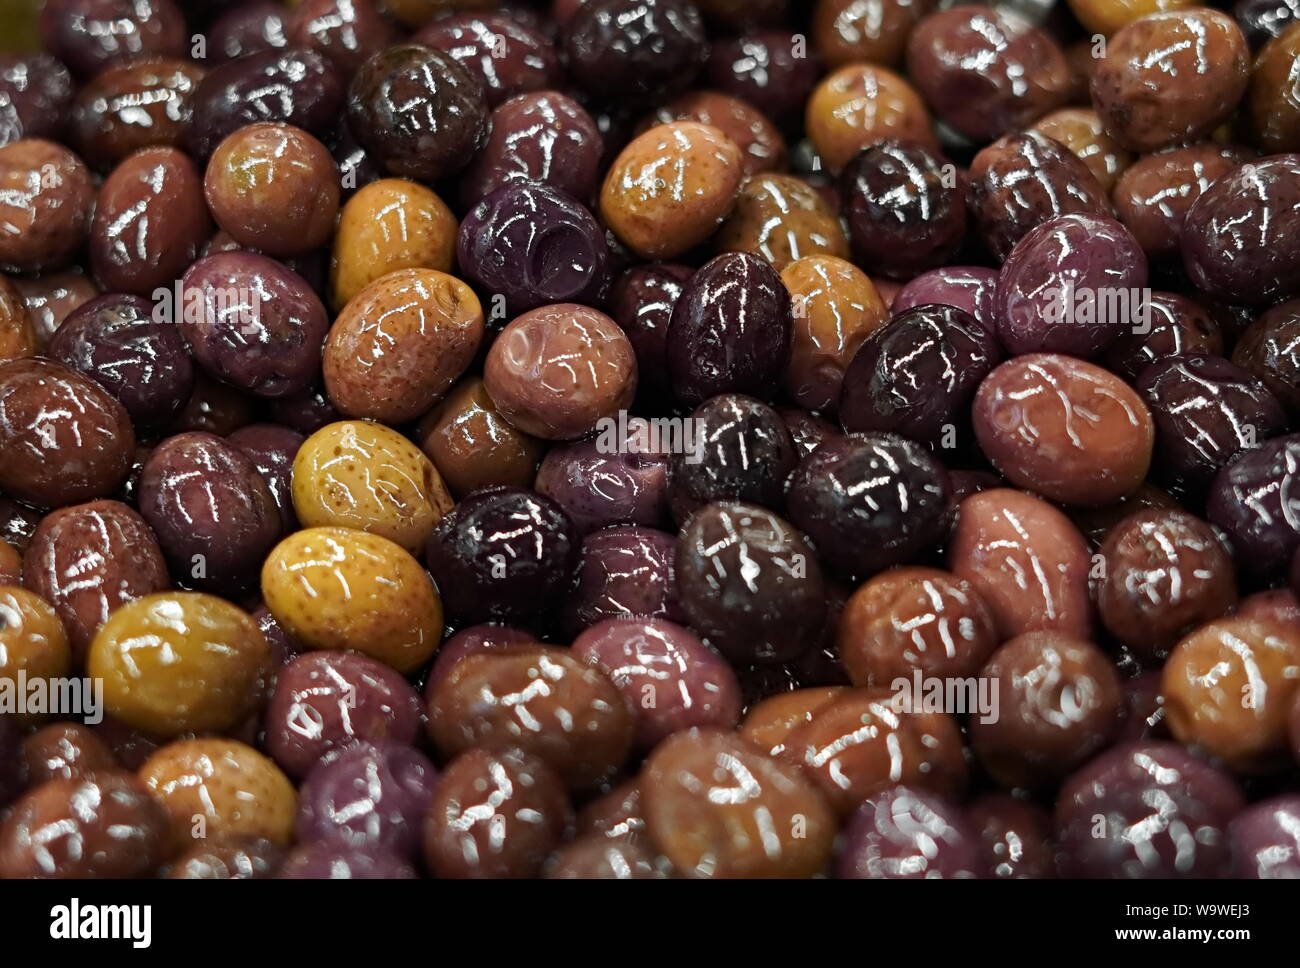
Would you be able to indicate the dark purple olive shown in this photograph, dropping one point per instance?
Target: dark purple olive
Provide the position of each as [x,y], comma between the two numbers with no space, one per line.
[88,35]
[418,112]
[133,352]
[969,288]
[1265,840]
[306,413]
[1145,810]
[35,95]
[635,51]
[249,28]
[619,476]
[1239,239]
[533,245]
[506,56]
[642,302]
[1071,285]
[730,330]
[272,449]
[1270,350]
[622,573]
[870,501]
[1206,412]
[253,323]
[739,450]
[916,376]
[807,431]
[284,647]
[327,700]
[294,86]
[1169,325]
[773,70]
[503,554]
[213,514]
[1262,20]
[905,206]
[903,833]
[749,583]
[345,31]
[369,796]
[1256,500]
[1023,180]
[339,862]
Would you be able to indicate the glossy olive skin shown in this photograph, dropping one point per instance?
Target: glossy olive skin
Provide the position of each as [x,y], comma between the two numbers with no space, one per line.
[142,360]
[986,72]
[638,51]
[35,91]
[1173,325]
[710,799]
[1262,20]
[495,815]
[1270,351]
[1081,130]
[969,288]
[51,297]
[1027,561]
[253,323]
[293,86]
[762,69]
[46,205]
[845,31]
[743,452]
[1022,180]
[533,245]
[503,554]
[400,344]
[327,700]
[1271,101]
[214,407]
[782,218]
[103,824]
[248,28]
[231,858]
[345,31]
[214,516]
[418,111]
[180,662]
[1263,840]
[1236,239]
[749,583]
[90,559]
[641,302]
[917,375]
[860,104]
[65,439]
[132,106]
[504,55]
[542,700]
[870,501]
[1256,500]
[623,572]
[63,751]
[471,641]
[272,449]
[538,137]
[1171,78]
[730,330]
[907,833]
[336,862]
[762,146]
[87,35]
[33,646]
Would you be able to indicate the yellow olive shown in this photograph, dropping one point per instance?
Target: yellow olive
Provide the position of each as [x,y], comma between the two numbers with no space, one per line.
[32,642]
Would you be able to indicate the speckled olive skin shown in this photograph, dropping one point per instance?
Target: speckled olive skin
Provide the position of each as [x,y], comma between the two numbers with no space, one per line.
[180,662]
[90,559]
[418,111]
[914,618]
[635,51]
[1081,130]
[555,371]
[782,218]
[1029,417]
[906,833]
[388,225]
[47,199]
[228,859]
[862,103]
[717,806]
[545,137]
[1026,559]
[219,788]
[1270,351]
[504,55]
[1228,689]
[495,815]
[1234,238]
[273,187]
[213,514]
[37,90]
[140,104]
[87,36]
[335,588]
[33,644]
[346,31]
[132,351]
[293,86]
[104,824]
[357,474]
[541,700]
[64,751]
[65,439]
[150,222]
[986,72]
[1022,180]
[1171,78]
[671,188]
[400,343]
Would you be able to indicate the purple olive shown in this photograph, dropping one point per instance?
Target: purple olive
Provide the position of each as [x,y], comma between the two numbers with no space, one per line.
[622,573]
[969,288]
[903,833]
[1256,500]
